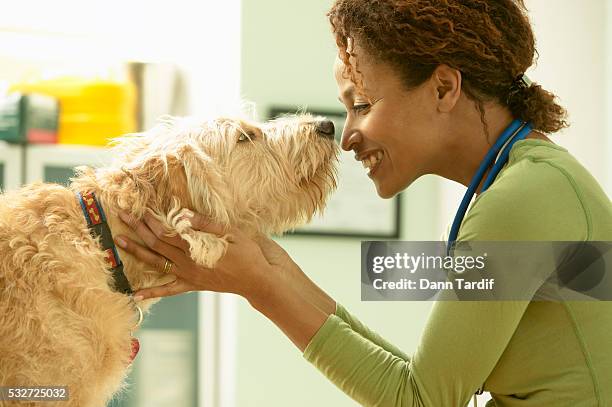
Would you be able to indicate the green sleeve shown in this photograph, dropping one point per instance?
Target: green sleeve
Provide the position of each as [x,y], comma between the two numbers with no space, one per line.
[357,326]
[456,354]
[462,341]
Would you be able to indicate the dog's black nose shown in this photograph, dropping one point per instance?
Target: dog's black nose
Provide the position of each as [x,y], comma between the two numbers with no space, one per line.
[325,128]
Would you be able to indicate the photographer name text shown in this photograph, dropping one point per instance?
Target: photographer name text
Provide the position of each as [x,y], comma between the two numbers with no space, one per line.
[425,284]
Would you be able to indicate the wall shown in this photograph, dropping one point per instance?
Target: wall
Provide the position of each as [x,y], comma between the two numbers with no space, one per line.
[571,40]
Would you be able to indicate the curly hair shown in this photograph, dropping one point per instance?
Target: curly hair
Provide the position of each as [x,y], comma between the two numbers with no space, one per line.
[489,41]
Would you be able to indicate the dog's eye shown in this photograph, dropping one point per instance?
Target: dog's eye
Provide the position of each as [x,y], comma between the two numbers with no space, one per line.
[248,136]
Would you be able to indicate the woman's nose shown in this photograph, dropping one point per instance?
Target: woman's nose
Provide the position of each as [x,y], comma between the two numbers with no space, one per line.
[349,139]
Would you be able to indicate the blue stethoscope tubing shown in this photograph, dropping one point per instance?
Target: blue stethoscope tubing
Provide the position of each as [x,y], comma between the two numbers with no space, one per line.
[517,130]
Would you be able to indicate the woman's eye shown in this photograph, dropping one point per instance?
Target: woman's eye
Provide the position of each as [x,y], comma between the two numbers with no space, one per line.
[361,107]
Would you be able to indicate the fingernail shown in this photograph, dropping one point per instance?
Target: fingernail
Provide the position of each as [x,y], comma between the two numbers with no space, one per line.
[121,241]
[138,298]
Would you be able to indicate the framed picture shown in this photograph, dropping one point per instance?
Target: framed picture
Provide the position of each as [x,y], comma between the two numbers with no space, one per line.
[354,209]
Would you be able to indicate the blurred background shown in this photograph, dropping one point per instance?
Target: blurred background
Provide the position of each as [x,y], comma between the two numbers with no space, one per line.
[73,74]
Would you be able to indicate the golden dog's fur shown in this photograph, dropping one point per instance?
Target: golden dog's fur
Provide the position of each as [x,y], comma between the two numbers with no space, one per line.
[61,323]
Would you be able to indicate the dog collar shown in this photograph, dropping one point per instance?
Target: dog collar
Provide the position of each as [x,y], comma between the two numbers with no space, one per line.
[98,227]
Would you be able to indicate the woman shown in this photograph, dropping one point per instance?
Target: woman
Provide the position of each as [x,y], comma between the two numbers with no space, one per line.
[429,86]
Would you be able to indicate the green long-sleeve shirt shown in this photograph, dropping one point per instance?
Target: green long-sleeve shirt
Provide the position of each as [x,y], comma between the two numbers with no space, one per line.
[524,353]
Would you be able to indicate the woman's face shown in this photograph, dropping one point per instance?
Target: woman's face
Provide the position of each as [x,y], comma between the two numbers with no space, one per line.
[394,136]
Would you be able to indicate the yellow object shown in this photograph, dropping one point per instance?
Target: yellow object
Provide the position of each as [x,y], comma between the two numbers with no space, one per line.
[91,110]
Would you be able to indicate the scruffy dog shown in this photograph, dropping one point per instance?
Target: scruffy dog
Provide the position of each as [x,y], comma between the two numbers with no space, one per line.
[62,323]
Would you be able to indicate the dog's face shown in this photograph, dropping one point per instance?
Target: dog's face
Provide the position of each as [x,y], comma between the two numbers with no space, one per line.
[274,175]
[265,177]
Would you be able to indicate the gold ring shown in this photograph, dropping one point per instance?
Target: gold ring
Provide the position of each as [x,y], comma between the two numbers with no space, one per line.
[167,266]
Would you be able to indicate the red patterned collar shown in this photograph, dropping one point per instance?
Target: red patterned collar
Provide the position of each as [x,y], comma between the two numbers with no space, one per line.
[98,227]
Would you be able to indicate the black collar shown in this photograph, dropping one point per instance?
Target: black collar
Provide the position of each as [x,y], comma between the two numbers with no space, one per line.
[96,221]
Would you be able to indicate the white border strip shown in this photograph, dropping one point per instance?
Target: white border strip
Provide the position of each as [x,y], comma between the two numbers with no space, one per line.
[10,155]
[228,321]
[207,349]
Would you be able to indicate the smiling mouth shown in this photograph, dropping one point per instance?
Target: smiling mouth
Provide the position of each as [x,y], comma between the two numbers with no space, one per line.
[372,161]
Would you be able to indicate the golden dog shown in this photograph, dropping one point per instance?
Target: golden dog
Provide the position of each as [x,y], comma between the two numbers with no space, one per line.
[62,323]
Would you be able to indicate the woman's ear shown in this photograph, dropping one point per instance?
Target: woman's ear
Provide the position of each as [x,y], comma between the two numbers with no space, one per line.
[448,85]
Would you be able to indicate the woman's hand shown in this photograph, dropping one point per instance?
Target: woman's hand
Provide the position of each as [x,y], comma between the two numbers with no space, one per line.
[259,270]
[245,269]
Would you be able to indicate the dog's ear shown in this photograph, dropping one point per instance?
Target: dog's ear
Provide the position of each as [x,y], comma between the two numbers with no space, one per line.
[205,183]
[167,162]
[150,175]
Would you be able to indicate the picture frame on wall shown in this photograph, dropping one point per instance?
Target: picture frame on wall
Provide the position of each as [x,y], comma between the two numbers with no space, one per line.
[354,209]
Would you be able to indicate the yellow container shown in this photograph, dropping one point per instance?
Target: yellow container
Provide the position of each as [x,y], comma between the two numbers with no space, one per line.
[91,110]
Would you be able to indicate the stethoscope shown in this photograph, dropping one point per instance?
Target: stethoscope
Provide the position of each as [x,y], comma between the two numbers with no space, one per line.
[517,130]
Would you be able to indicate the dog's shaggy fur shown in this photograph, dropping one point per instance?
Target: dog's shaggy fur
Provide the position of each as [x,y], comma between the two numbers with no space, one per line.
[61,323]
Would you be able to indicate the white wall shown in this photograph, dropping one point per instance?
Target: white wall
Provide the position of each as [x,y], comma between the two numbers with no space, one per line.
[88,37]
[571,39]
